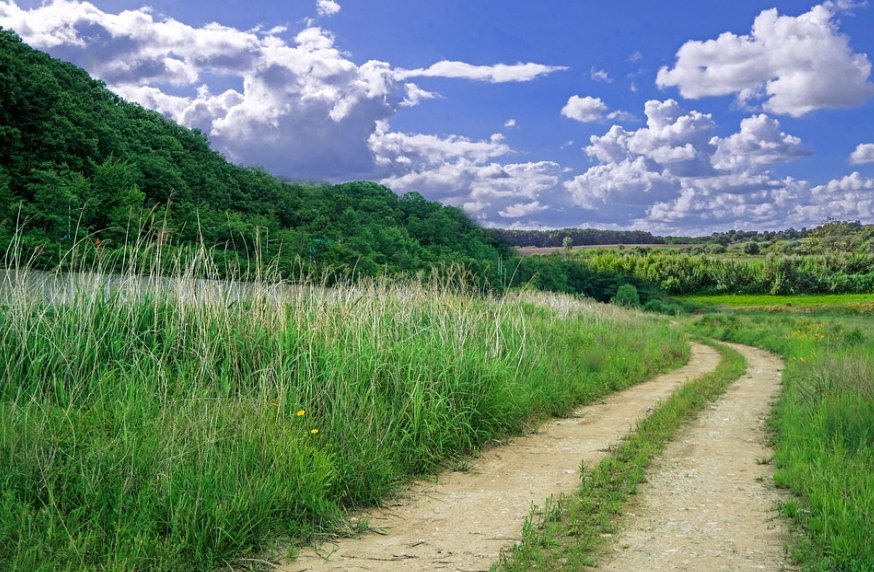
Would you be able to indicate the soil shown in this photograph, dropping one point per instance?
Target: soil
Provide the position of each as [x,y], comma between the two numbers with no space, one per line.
[709,503]
[462,520]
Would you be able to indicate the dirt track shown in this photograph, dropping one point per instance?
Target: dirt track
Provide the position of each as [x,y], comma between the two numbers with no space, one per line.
[709,504]
[462,521]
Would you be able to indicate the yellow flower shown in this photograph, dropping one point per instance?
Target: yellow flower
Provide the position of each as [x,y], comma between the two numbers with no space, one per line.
[314,431]
[300,413]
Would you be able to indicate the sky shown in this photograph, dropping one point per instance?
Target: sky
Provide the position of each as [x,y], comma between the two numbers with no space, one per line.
[675,117]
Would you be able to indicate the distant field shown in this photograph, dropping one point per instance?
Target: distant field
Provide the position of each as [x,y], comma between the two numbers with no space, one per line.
[530,250]
[863,301]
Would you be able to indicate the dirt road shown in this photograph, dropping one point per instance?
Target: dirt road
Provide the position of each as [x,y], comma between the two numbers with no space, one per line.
[464,519]
[708,503]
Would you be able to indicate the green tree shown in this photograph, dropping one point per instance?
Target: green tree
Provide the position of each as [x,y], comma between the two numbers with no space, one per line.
[626,295]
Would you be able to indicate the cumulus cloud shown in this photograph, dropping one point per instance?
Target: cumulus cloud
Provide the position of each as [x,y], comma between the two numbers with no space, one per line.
[792,65]
[510,123]
[864,153]
[499,73]
[327,7]
[757,145]
[675,175]
[591,109]
[464,172]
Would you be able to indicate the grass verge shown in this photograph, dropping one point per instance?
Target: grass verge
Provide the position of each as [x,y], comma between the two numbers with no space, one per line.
[824,427]
[566,532]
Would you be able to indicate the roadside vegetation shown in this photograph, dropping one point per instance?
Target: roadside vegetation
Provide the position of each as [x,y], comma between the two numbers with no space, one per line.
[823,429]
[566,532]
[153,428]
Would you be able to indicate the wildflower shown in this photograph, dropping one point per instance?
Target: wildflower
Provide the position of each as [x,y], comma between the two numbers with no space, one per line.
[314,431]
[300,413]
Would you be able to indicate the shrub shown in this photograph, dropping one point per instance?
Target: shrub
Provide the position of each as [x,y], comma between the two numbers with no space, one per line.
[626,295]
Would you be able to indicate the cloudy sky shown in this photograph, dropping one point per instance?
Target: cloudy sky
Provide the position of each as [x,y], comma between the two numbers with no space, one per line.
[682,117]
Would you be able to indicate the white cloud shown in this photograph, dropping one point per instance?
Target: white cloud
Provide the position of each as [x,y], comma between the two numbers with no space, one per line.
[757,145]
[463,172]
[584,109]
[600,75]
[864,153]
[519,210]
[416,95]
[793,65]
[499,73]
[327,7]
[591,109]
[675,176]
[635,57]
[510,123]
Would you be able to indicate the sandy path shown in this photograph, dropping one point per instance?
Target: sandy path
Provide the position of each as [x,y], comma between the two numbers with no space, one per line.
[462,521]
[709,504]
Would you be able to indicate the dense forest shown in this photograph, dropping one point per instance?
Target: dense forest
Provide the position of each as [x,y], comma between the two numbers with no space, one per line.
[81,167]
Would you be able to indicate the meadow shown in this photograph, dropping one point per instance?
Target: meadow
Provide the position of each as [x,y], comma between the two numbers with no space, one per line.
[153,429]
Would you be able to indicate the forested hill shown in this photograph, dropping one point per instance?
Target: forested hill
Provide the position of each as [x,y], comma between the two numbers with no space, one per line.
[80,165]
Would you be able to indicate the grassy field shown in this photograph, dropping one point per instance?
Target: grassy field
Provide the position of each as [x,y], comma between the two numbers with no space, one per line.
[807,301]
[823,424]
[161,431]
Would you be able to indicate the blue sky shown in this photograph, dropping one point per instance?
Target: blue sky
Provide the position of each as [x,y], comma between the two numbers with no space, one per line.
[674,117]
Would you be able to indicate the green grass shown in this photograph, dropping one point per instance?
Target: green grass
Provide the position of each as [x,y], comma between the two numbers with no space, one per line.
[565,534]
[824,427]
[865,301]
[161,431]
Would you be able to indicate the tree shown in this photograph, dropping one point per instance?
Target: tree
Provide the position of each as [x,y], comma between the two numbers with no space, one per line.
[751,247]
[567,243]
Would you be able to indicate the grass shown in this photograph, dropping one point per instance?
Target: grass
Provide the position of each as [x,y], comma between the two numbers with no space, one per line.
[824,427]
[565,534]
[151,428]
[807,301]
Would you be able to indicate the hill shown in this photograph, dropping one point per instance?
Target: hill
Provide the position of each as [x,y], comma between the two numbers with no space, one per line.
[81,166]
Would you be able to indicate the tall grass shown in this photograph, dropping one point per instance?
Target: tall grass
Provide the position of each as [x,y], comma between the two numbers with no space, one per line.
[824,427]
[176,423]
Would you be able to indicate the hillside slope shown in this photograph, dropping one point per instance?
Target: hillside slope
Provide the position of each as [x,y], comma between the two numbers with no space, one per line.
[78,163]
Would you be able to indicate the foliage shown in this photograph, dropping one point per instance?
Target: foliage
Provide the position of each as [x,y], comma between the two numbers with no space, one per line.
[824,436]
[626,295]
[681,272]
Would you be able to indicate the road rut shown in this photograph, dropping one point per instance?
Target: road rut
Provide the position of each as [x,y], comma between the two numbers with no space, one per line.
[464,519]
[708,503]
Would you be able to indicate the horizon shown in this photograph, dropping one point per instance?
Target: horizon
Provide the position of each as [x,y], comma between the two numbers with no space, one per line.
[753,116]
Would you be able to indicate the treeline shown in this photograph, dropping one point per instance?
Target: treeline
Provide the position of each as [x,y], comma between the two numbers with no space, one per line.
[680,273]
[594,237]
[81,167]
[578,237]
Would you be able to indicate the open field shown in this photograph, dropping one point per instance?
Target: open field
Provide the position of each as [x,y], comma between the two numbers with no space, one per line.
[806,301]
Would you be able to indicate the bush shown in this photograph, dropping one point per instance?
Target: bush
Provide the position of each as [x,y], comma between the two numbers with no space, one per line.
[626,295]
